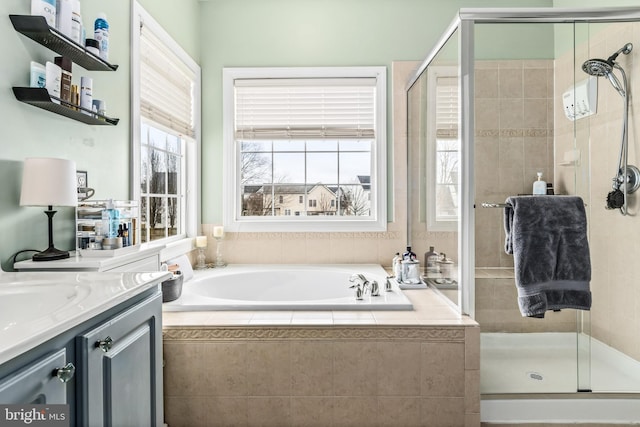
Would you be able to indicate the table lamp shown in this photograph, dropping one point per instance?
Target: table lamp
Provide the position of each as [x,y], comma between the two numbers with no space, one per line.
[49,182]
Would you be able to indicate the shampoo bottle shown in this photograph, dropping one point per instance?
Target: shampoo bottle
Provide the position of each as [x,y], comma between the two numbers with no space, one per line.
[539,186]
[46,8]
[101,34]
[110,220]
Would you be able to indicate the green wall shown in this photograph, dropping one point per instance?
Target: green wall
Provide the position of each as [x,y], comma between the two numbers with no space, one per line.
[27,131]
[238,33]
[217,34]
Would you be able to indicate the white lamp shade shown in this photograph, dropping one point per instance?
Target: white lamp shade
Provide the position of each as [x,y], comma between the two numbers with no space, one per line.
[48,182]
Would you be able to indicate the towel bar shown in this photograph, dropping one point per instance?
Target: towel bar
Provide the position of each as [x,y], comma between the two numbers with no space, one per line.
[495,205]
[499,205]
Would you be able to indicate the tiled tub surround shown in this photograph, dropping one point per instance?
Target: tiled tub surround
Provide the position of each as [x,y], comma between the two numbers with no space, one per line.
[323,368]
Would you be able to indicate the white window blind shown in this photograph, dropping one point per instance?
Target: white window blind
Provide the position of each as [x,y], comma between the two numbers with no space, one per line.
[305,108]
[447,116]
[166,86]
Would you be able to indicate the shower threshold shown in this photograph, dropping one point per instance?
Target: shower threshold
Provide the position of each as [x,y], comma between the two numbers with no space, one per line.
[532,377]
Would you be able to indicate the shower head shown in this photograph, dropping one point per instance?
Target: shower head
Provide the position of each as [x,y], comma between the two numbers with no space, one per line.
[597,67]
[604,68]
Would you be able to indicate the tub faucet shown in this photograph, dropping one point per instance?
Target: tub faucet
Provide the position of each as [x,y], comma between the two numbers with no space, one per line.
[361,285]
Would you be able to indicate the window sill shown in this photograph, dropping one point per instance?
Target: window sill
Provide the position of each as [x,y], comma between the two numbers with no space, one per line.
[265,225]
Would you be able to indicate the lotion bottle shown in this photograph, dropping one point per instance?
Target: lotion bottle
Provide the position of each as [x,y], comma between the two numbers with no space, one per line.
[539,186]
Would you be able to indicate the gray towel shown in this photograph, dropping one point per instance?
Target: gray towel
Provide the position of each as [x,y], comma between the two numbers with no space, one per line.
[547,236]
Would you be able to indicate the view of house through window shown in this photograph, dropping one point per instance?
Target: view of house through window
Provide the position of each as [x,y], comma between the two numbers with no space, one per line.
[310,178]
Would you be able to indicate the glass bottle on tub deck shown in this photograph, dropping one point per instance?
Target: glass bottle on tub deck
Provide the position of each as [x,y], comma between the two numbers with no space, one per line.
[218,234]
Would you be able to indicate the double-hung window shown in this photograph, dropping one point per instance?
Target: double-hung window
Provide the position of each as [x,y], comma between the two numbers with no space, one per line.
[443,148]
[166,108]
[307,140]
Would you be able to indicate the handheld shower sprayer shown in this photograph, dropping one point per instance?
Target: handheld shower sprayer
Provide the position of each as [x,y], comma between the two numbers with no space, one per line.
[627,179]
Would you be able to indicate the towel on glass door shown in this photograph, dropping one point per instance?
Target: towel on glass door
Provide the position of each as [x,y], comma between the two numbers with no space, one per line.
[547,236]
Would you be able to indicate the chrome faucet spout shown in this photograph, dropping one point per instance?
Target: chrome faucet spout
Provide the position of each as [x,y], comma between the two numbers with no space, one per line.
[362,284]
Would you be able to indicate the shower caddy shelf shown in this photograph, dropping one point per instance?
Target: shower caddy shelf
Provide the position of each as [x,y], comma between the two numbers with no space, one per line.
[37,29]
[39,97]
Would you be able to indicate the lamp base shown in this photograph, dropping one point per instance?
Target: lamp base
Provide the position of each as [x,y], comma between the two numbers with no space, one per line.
[50,254]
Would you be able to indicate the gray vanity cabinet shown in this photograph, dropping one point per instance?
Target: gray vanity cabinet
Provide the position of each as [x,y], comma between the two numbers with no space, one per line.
[122,364]
[37,383]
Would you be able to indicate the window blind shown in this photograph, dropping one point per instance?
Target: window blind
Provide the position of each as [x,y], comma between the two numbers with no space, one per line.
[447,116]
[166,86]
[304,108]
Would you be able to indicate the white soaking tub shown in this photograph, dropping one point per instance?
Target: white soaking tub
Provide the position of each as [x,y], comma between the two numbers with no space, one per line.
[286,287]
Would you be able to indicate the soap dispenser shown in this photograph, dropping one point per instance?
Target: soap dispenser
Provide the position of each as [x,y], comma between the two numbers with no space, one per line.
[539,186]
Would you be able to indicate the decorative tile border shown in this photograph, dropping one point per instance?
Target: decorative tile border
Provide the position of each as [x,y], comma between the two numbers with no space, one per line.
[452,334]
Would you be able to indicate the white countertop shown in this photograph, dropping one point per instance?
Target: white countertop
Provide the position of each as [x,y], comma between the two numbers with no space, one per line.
[77,262]
[37,306]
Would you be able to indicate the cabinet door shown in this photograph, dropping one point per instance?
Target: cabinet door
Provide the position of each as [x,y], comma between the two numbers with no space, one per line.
[122,368]
[37,383]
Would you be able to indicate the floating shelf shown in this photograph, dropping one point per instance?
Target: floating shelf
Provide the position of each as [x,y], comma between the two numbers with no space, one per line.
[37,29]
[39,97]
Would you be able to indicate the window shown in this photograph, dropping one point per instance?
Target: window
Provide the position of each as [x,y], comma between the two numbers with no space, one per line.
[312,135]
[443,148]
[166,130]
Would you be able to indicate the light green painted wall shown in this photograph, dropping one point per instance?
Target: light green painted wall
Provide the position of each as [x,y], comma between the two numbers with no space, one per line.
[30,132]
[245,33]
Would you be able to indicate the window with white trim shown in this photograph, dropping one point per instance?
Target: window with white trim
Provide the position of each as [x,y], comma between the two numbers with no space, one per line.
[314,137]
[166,132]
[443,148]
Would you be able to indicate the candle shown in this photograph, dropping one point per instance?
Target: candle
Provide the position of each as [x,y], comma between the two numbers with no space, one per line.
[201,241]
[218,231]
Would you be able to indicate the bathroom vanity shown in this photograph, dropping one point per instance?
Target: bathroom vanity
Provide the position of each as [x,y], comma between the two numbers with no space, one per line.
[88,340]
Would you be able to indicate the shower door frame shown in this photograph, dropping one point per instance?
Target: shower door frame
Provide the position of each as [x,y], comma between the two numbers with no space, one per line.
[464,22]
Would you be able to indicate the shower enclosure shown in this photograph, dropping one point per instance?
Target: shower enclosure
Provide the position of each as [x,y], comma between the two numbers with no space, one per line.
[501,97]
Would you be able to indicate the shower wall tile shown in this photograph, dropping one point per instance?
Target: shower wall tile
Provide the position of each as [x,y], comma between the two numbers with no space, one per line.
[510,83]
[522,138]
[613,316]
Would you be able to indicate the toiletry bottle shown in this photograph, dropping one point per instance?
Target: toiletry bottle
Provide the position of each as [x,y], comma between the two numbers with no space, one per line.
[110,220]
[75,97]
[86,95]
[395,264]
[431,261]
[38,76]
[539,186]
[64,16]
[65,82]
[101,34]
[46,8]
[76,23]
[91,45]
[53,80]
[409,255]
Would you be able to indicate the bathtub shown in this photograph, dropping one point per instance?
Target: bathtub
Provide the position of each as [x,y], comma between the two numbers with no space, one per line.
[285,287]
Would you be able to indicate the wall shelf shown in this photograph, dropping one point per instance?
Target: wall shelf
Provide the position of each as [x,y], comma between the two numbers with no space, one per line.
[39,97]
[36,28]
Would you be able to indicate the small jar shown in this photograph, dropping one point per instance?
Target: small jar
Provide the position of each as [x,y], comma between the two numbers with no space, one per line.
[446,267]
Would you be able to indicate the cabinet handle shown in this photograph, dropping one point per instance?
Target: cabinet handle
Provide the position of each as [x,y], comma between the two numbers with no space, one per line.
[65,373]
[105,344]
